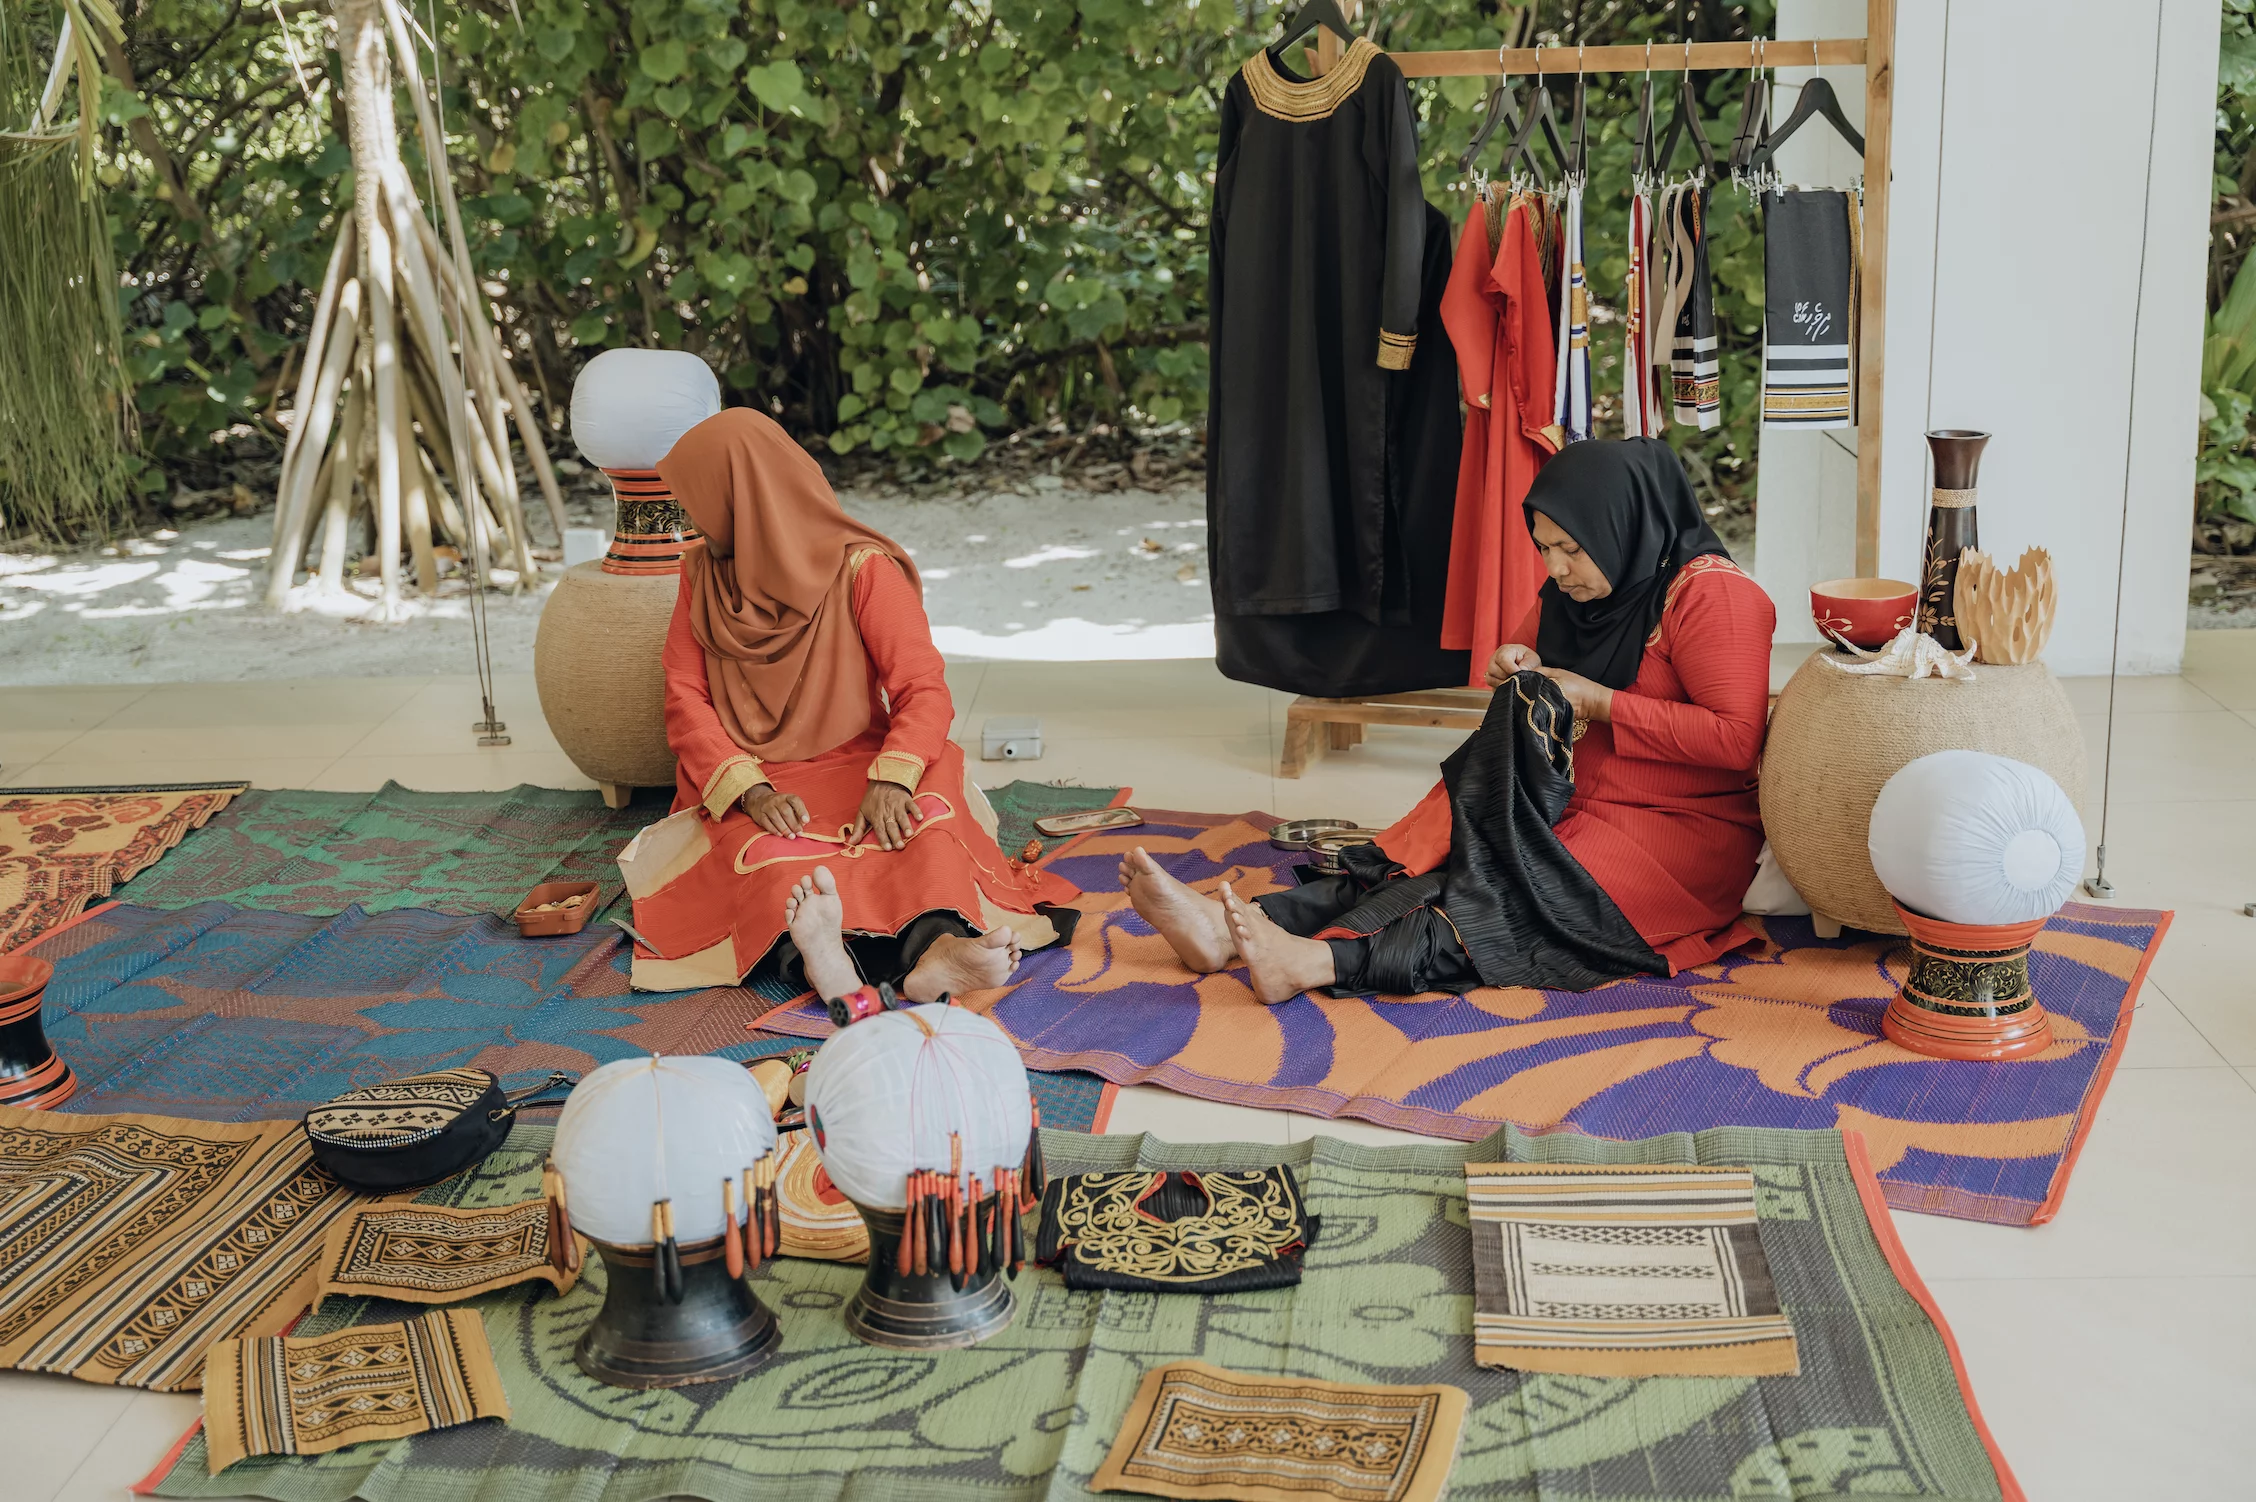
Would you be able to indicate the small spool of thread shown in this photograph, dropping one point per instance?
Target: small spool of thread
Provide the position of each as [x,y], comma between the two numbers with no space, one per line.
[855,1005]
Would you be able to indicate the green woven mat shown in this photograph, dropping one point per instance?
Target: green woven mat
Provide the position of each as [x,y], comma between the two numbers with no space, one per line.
[302,852]
[1387,1298]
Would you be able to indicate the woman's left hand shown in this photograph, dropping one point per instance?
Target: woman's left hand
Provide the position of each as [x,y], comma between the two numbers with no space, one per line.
[889,811]
[1591,701]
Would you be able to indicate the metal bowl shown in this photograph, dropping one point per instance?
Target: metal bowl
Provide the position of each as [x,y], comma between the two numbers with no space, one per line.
[1327,848]
[1294,834]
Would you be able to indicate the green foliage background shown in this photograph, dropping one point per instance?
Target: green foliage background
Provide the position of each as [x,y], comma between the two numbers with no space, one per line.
[905,227]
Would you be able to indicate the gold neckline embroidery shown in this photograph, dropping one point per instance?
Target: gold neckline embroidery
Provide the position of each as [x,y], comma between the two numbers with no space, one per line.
[1287,99]
[1252,1217]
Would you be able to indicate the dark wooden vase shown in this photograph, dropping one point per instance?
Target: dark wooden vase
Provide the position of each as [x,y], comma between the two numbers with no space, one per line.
[926,1313]
[33,1077]
[1951,530]
[718,1330]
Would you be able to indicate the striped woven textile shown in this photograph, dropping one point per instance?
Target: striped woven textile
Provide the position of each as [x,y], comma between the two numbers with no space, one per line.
[278,1396]
[1809,309]
[130,1244]
[1623,1271]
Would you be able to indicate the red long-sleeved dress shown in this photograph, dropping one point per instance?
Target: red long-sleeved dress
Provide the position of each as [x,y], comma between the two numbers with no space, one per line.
[1664,814]
[1499,324]
[709,884]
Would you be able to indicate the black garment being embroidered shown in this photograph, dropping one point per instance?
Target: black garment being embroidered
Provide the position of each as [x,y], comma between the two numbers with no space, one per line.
[1332,426]
[1513,907]
[1146,1231]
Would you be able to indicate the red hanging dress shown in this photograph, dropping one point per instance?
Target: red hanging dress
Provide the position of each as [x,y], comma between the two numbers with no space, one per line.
[1499,322]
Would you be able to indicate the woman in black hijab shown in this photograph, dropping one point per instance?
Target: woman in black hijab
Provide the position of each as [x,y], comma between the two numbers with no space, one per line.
[1603,820]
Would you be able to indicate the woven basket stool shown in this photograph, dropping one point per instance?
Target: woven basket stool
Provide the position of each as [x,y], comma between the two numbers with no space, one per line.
[1836,738]
[602,687]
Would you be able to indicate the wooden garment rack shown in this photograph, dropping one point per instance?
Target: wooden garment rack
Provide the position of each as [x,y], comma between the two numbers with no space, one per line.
[1342,721]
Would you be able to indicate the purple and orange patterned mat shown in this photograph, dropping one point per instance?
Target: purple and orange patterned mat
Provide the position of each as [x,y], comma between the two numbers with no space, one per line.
[1785,1034]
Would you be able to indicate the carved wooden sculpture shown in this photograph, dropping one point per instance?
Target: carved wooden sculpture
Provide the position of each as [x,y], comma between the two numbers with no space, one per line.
[2008,616]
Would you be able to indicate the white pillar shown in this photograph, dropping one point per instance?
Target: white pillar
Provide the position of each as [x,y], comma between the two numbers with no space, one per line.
[2020,215]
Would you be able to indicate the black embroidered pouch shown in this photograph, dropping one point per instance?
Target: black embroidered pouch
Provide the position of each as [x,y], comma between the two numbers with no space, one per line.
[1208,1231]
[419,1129]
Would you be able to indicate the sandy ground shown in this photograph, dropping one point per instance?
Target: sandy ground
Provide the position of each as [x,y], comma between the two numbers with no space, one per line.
[1047,573]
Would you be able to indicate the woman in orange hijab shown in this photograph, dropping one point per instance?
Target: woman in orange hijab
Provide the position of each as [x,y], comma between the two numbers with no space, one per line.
[808,711]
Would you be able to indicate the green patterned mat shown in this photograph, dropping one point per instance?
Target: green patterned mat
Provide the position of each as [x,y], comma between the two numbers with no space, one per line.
[1387,1298]
[302,852]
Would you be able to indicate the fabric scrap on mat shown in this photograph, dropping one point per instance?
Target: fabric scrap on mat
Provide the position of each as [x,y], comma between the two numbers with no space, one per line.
[1029,1415]
[1614,1270]
[1199,1431]
[60,848]
[430,1254]
[215,1012]
[277,1395]
[130,1244]
[1783,1034]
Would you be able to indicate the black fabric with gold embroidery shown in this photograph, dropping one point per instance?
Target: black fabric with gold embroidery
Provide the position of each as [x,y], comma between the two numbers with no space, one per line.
[1220,1231]
[1332,428]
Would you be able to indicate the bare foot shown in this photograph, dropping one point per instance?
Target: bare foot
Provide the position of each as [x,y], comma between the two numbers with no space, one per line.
[814,915]
[1279,965]
[951,966]
[1192,924]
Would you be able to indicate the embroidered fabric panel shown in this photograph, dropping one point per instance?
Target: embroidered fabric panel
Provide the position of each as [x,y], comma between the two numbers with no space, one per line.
[1201,1431]
[400,1111]
[1215,1231]
[277,1396]
[128,1244]
[1623,1271]
[428,1254]
[60,848]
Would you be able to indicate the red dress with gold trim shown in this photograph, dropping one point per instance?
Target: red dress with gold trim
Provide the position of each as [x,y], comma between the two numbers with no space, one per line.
[709,884]
[1665,814]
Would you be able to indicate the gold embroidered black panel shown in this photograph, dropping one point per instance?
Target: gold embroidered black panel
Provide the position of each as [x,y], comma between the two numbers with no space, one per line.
[1190,1232]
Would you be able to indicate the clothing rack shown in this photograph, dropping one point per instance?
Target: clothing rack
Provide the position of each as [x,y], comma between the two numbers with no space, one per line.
[1343,720]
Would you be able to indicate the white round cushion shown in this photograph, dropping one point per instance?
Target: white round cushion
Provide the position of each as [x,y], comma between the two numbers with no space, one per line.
[629,406]
[882,1099]
[1972,838]
[641,1130]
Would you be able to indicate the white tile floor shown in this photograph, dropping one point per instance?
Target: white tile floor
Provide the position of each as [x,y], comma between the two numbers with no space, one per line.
[2114,1350]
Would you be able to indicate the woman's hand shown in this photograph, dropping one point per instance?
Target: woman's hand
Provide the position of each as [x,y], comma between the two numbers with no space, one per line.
[777,812]
[889,811]
[1509,659]
[1591,701]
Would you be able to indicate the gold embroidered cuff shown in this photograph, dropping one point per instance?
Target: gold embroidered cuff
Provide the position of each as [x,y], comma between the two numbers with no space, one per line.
[898,766]
[731,781]
[1395,350]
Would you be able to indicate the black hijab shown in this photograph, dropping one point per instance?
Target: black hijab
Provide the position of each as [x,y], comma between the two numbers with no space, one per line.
[1629,504]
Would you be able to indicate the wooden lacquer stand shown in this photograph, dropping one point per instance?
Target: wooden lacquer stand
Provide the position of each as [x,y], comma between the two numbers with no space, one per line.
[1342,720]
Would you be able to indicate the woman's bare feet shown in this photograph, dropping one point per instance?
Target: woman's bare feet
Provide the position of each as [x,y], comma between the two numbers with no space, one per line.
[815,917]
[1192,924]
[1279,965]
[951,966]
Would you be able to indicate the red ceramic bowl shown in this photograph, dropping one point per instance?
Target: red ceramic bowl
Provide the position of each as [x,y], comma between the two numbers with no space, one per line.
[1863,612]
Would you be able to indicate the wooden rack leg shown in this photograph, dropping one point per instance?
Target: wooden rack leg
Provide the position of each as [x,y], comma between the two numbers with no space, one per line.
[616,794]
[1300,745]
[1338,737]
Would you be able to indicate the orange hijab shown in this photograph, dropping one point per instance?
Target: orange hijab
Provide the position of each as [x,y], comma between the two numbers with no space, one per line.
[770,593]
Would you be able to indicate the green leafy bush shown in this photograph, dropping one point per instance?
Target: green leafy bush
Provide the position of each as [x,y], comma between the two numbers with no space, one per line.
[904,228]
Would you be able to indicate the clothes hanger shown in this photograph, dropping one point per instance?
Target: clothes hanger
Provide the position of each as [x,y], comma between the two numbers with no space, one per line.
[1577,166]
[1818,101]
[1538,113]
[1324,13]
[1641,162]
[1501,107]
[1754,117]
[1687,118]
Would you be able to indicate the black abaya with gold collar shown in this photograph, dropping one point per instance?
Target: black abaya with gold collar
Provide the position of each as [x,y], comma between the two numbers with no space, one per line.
[1332,428]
